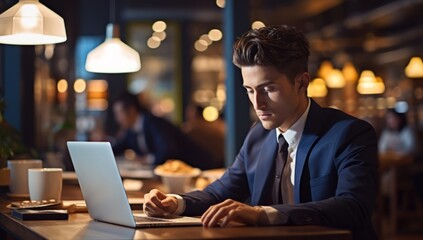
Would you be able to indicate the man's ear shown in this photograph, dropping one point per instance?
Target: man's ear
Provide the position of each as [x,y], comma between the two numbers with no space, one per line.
[302,82]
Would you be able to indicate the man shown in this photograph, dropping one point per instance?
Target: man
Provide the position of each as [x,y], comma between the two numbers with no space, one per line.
[147,134]
[330,173]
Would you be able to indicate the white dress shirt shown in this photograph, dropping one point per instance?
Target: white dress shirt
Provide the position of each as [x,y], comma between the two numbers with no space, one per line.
[292,137]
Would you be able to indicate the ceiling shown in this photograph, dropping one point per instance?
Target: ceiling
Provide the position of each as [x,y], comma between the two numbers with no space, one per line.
[368,31]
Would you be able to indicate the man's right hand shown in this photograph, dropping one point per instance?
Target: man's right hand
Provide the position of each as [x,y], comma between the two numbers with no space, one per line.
[157,204]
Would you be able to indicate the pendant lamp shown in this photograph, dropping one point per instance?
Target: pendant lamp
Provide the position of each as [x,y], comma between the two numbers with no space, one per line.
[414,68]
[113,55]
[31,23]
[369,83]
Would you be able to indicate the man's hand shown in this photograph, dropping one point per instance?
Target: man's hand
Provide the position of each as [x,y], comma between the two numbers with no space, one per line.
[157,204]
[223,213]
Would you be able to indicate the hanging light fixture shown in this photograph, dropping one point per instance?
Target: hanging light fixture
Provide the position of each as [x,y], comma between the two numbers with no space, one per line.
[113,55]
[31,23]
[370,84]
[324,69]
[317,88]
[335,79]
[349,72]
[414,68]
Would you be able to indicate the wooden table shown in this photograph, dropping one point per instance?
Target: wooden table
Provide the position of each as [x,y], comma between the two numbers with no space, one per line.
[81,226]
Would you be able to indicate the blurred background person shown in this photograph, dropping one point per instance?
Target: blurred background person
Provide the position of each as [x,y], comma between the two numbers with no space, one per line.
[210,135]
[397,137]
[399,141]
[149,135]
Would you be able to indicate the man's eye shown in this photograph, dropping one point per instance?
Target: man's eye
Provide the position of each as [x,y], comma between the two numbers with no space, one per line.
[249,91]
[268,89]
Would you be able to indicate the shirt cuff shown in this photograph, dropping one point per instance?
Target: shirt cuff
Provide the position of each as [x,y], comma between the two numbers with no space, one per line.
[274,217]
[181,204]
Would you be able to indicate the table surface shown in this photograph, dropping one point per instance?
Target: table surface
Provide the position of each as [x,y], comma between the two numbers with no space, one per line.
[81,226]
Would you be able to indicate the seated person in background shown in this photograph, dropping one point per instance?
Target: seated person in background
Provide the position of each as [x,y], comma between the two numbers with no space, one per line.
[147,134]
[301,164]
[209,135]
[397,137]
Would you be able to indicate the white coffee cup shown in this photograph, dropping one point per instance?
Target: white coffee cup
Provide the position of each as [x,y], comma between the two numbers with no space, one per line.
[45,183]
[19,175]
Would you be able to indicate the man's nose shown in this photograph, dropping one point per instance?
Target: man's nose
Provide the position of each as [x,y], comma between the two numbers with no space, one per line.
[258,101]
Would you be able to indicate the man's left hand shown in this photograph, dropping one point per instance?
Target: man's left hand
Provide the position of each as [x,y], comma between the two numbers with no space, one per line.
[225,212]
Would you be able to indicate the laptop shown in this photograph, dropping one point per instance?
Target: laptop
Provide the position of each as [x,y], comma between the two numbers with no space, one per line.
[103,190]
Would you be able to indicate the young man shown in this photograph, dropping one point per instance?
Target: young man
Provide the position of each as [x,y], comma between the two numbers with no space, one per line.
[327,174]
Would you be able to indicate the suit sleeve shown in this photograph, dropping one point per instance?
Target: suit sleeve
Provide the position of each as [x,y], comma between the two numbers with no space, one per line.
[232,185]
[356,164]
[121,144]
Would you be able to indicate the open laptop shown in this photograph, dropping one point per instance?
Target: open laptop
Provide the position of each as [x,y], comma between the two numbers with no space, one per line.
[103,190]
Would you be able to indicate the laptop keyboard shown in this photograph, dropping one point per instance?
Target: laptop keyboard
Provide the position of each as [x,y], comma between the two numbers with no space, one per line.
[142,219]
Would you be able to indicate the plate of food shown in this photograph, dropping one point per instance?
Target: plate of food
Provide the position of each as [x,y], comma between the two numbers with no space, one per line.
[176,175]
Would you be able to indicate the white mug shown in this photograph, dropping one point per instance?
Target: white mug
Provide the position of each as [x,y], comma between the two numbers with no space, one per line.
[45,184]
[19,175]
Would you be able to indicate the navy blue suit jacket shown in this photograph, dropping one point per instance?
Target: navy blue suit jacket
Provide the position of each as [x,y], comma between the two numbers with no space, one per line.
[165,141]
[335,174]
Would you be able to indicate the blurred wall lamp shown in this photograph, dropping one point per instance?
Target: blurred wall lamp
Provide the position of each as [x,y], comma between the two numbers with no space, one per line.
[414,68]
[31,23]
[113,55]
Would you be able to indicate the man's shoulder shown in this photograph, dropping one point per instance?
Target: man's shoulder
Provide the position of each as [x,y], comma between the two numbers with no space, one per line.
[339,123]
[334,115]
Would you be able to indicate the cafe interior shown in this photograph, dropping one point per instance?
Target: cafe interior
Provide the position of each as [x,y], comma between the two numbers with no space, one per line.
[60,85]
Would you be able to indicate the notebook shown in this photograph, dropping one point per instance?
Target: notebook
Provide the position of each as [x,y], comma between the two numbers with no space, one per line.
[103,190]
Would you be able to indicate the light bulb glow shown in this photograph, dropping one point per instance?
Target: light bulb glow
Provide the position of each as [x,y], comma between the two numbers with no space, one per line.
[335,79]
[215,34]
[160,35]
[79,86]
[257,25]
[210,113]
[153,42]
[324,69]
[62,85]
[200,46]
[159,26]
[220,3]
[369,84]
[206,38]
[317,88]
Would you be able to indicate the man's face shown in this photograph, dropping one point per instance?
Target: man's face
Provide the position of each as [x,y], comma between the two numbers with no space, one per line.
[392,121]
[124,117]
[276,101]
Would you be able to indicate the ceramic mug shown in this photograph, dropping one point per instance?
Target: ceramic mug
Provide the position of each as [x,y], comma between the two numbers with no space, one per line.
[19,175]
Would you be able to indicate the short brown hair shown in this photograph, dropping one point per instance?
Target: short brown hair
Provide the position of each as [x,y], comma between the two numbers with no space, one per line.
[282,47]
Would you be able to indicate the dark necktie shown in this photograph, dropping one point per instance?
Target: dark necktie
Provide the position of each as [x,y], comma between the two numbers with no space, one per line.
[286,185]
[281,157]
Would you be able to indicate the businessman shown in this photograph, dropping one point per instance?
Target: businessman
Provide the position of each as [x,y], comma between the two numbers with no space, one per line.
[301,164]
[147,134]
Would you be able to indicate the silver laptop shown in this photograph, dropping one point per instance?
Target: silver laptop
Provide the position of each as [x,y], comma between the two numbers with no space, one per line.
[103,190]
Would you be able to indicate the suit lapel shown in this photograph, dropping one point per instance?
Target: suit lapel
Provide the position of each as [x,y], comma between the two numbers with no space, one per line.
[309,137]
[264,166]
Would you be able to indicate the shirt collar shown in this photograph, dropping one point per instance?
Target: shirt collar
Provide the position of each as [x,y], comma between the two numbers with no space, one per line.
[293,134]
